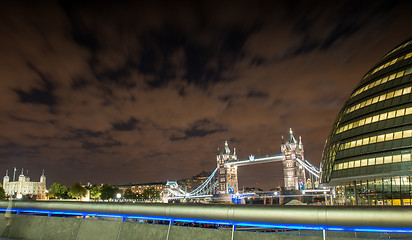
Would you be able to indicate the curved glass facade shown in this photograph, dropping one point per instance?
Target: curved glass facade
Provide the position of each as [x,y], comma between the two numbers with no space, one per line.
[367,156]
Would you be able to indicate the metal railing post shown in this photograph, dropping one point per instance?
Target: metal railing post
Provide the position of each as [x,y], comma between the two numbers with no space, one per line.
[168,230]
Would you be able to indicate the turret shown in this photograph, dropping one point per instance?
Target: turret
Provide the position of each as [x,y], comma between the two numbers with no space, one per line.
[43,177]
[6,178]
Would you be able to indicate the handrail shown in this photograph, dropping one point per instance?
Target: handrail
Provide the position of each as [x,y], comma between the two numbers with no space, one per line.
[324,216]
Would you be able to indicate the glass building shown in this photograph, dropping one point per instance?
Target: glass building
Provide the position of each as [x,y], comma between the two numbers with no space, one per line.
[367,156]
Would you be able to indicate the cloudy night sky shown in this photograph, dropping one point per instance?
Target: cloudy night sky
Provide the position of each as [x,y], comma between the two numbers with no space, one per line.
[101,92]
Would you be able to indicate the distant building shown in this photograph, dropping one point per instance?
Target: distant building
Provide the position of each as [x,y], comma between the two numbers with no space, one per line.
[139,188]
[24,187]
[194,182]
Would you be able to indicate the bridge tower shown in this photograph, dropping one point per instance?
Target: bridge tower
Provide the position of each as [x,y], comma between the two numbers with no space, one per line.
[227,175]
[293,172]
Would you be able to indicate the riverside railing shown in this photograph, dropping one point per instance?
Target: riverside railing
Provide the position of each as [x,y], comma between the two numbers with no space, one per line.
[324,218]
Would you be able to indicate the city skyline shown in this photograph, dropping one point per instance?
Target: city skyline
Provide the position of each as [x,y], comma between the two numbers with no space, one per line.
[118,93]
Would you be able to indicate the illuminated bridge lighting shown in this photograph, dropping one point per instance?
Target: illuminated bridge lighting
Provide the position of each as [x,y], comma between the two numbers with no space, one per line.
[211,221]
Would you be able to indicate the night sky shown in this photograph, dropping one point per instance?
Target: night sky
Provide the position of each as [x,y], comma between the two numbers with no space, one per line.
[130,92]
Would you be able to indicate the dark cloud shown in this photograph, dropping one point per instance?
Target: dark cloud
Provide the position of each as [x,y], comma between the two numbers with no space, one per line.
[126,126]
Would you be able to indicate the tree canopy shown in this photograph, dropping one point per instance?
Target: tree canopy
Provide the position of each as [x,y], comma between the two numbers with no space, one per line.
[107,192]
[58,191]
[77,191]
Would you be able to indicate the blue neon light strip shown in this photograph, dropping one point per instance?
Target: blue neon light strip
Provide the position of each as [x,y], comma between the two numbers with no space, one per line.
[218,222]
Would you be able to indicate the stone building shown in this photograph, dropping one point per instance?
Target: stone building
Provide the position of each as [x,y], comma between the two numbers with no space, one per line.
[24,187]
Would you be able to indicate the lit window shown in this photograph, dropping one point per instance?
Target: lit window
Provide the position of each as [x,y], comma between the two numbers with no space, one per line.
[359,142]
[381,138]
[384,80]
[396,158]
[383,116]
[345,165]
[398,135]
[391,77]
[407,133]
[400,74]
[364,162]
[340,166]
[408,71]
[382,97]
[357,163]
[362,104]
[398,93]
[389,136]
[407,90]
[371,161]
[387,159]
[365,141]
[375,100]
[361,122]
[389,95]
[368,102]
[351,164]
[368,120]
[406,157]
[391,114]
[400,112]
[347,145]
[372,139]
[408,111]
[350,126]
[375,118]
[352,144]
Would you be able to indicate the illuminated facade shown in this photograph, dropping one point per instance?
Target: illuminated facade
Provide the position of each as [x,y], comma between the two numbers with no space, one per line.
[293,173]
[25,187]
[227,175]
[367,157]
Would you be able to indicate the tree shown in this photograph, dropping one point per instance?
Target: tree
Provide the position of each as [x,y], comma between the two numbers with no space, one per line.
[57,191]
[107,192]
[150,193]
[129,194]
[94,191]
[77,191]
[2,193]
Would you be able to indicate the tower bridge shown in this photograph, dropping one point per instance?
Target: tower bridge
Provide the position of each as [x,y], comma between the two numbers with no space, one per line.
[298,172]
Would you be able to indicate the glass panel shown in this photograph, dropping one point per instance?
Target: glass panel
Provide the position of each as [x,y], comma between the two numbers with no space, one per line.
[364,162]
[407,133]
[381,138]
[387,159]
[371,161]
[379,160]
[400,112]
[357,163]
[373,139]
[389,136]
[391,114]
[398,135]
[396,158]
[406,157]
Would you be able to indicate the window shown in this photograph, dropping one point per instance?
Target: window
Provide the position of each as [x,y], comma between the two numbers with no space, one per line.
[407,133]
[389,136]
[397,135]
[396,158]
[400,112]
[406,157]
[364,162]
[357,163]
[387,159]
[371,161]
[381,138]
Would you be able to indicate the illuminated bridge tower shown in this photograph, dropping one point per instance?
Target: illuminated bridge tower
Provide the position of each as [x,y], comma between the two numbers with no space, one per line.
[294,173]
[227,175]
